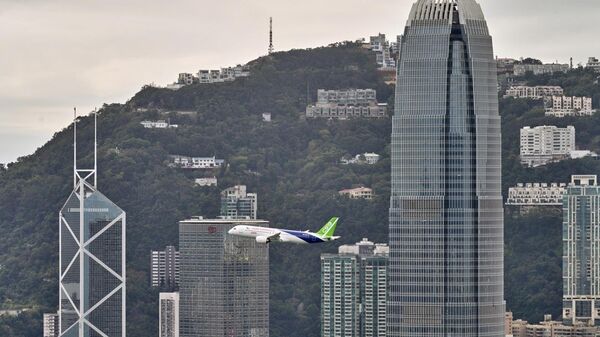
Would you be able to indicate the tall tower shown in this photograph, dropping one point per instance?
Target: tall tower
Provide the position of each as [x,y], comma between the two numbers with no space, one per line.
[581,246]
[92,258]
[271,49]
[446,215]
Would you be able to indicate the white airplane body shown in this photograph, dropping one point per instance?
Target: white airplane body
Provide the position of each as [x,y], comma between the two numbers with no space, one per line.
[267,235]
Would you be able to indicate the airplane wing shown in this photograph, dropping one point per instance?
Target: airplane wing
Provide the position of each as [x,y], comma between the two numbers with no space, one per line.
[274,237]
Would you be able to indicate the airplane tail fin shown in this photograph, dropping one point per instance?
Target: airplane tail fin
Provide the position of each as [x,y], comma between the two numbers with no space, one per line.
[329,228]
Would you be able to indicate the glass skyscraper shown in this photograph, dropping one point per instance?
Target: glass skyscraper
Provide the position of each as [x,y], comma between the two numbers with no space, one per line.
[92,262]
[581,251]
[224,280]
[446,215]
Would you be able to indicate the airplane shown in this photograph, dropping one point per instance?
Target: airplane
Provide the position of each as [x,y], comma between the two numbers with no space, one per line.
[267,235]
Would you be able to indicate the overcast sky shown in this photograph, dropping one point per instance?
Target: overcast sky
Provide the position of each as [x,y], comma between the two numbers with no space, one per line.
[58,54]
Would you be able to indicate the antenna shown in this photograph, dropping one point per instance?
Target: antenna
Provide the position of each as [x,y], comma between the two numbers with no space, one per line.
[271,49]
[74,147]
[95,148]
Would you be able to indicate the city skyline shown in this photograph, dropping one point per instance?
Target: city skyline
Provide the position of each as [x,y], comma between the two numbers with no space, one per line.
[86,64]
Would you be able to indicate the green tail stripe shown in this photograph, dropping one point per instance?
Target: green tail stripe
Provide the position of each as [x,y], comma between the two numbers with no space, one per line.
[329,228]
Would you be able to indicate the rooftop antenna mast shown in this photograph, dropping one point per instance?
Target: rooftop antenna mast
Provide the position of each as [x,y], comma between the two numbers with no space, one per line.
[74,147]
[271,49]
[84,174]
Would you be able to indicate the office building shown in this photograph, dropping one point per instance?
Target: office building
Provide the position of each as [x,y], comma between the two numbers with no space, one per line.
[92,260]
[536,194]
[345,104]
[51,325]
[581,249]
[224,285]
[168,315]
[357,193]
[236,203]
[536,92]
[354,290]
[545,144]
[561,106]
[165,268]
[446,213]
[540,69]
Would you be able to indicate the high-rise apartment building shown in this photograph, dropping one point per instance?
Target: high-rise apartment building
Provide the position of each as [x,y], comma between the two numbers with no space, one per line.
[581,251]
[544,144]
[51,325]
[165,268]
[446,217]
[168,315]
[236,203]
[92,260]
[224,281]
[354,291]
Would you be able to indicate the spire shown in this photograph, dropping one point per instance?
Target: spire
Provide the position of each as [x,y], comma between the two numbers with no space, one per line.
[85,174]
[271,49]
[74,147]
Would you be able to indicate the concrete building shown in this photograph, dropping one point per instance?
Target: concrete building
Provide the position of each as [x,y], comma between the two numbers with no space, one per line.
[236,203]
[224,286]
[185,162]
[446,215]
[345,104]
[186,79]
[354,291]
[544,144]
[160,124]
[581,251]
[508,324]
[593,63]
[536,194]
[383,52]
[51,327]
[165,268]
[357,193]
[367,158]
[540,69]
[228,74]
[561,106]
[168,315]
[536,92]
[550,328]
[506,66]
[266,116]
[207,181]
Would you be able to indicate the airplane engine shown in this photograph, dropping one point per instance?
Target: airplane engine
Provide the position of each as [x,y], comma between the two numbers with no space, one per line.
[262,239]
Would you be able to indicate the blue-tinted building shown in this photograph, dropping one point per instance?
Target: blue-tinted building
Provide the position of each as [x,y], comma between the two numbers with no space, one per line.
[446,215]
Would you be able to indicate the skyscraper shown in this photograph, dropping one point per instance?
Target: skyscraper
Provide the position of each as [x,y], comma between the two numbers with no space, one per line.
[224,280]
[354,291]
[168,315]
[236,203]
[165,268]
[92,259]
[581,251]
[446,216]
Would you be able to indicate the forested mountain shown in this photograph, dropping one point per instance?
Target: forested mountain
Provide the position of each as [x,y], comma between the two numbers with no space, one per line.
[293,165]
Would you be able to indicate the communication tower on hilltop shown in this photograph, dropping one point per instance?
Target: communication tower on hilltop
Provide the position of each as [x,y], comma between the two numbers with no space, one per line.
[271,35]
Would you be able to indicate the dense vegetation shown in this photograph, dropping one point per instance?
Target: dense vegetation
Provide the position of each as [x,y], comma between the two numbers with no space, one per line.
[292,163]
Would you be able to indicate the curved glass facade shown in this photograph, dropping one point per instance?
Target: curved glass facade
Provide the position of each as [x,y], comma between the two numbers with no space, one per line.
[446,215]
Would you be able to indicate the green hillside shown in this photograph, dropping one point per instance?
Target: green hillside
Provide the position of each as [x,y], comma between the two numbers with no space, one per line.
[291,163]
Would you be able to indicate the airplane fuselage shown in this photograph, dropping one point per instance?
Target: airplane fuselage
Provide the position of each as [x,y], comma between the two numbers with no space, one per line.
[268,235]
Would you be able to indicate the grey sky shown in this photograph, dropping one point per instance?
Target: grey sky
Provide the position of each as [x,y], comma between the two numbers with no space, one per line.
[64,53]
